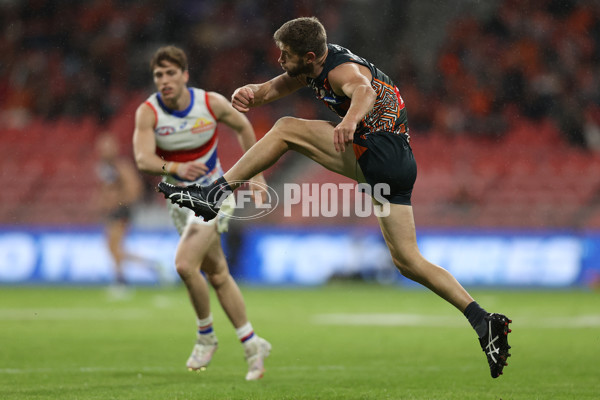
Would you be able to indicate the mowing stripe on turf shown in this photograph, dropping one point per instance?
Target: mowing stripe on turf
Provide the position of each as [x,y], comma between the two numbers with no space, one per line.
[67,313]
[87,370]
[574,322]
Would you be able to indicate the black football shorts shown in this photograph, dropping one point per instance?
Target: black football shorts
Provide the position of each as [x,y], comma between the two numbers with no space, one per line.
[387,158]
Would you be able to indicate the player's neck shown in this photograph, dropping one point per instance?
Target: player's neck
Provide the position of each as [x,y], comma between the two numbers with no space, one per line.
[180,103]
[318,65]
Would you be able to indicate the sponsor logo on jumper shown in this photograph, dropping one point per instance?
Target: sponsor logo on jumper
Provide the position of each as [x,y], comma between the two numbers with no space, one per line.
[202,125]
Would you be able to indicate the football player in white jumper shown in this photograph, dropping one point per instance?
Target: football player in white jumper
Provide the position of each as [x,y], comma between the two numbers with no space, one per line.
[176,136]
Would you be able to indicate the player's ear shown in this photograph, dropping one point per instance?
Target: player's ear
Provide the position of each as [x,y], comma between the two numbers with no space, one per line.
[310,57]
[186,76]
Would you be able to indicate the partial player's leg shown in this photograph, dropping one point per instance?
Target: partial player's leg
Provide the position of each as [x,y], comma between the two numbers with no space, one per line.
[399,233]
[256,348]
[195,243]
[216,269]
[192,248]
[115,232]
[312,138]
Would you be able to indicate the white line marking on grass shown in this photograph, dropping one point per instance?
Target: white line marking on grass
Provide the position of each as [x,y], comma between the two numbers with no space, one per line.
[573,322]
[580,321]
[161,301]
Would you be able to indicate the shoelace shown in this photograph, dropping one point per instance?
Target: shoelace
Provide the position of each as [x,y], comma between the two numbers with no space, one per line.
[491,348]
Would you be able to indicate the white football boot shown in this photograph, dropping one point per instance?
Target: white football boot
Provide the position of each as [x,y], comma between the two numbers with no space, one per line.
[256,350]
[203,351]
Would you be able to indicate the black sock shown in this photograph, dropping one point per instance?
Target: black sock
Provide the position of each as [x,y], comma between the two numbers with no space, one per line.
[218,190]
[475,314]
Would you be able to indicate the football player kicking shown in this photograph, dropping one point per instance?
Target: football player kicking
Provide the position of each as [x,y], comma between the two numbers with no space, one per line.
[374,125]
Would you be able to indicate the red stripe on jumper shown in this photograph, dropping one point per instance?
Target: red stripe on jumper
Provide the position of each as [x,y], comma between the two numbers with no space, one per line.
[189,154]
[154,111]
[208,105]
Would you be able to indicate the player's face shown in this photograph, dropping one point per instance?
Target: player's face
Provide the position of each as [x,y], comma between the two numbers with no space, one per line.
[292,63]
[170,80]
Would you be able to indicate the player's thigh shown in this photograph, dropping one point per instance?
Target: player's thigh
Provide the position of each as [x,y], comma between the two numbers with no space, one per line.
[398,229]
[314,139]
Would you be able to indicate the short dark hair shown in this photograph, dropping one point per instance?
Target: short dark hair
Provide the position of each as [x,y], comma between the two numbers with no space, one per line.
[171,54]
[303,35]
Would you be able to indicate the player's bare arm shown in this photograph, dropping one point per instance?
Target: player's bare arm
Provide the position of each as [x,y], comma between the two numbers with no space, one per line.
[144,149]
[353,81]
[254,95]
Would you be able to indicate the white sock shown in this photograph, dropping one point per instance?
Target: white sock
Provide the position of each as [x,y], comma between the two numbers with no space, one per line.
[205,325]
[245,332]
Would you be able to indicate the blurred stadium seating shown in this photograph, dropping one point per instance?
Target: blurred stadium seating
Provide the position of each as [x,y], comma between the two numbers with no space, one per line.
[505,112]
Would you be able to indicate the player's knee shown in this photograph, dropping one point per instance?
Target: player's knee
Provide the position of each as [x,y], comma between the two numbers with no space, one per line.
[408,266]
[403,268]
[285,123]
[285,126]
[219,278]
[184,268]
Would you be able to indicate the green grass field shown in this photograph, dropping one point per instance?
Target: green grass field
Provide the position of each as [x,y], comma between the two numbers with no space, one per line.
[336,342]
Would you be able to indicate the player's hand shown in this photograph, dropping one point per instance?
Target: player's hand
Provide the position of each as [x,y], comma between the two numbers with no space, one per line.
[343,134]
[242,99]
[190,171]
[258,187]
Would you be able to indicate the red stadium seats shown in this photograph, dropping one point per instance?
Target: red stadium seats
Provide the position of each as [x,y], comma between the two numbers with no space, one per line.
[528,179]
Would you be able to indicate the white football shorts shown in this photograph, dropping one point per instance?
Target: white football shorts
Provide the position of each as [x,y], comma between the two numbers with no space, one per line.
[182,216]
